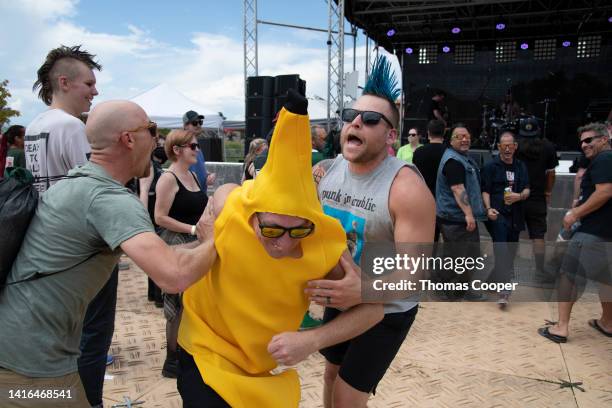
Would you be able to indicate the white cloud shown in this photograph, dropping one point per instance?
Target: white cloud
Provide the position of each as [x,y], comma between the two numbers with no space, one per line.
[209,69]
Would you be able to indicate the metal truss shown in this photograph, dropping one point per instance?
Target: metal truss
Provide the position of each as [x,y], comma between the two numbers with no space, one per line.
[250,40]
[335,59]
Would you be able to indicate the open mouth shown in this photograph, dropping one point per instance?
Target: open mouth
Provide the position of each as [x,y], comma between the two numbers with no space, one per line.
[353,140]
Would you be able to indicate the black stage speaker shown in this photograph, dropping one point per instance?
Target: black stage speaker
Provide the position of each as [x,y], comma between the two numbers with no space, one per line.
[259,106]
[283,83]
[256,127]
[260,86]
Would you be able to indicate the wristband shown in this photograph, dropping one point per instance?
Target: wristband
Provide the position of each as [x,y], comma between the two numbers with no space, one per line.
[193,230]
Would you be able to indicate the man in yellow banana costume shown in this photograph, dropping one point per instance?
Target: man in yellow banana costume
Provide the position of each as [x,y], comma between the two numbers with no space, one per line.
[241,320]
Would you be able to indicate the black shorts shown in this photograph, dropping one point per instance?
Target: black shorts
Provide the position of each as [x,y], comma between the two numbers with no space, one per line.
[587,258]
[535,218]
[194,391]
[364,359]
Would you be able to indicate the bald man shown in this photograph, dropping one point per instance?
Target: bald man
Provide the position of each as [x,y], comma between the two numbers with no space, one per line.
[81,227]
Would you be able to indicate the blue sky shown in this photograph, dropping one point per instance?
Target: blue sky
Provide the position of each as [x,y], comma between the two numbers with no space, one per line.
[194,46]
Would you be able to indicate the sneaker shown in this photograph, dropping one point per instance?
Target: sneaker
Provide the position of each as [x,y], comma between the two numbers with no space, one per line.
[502,302]
[109,359]
[170,368]
[309,322]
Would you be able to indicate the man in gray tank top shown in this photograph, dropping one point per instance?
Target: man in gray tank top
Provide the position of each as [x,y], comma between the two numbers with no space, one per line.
[376,198]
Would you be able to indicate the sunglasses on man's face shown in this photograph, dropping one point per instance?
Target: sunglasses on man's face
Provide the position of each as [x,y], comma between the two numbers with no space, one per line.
[197,122]
[275,231]
[412,134]
[151,126]
[193,146]
[369,118]
[588,140]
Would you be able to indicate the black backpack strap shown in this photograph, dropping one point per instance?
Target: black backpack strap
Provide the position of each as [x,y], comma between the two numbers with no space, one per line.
[39,275]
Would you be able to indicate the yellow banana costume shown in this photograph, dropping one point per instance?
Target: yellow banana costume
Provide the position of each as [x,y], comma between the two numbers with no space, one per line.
[247,297]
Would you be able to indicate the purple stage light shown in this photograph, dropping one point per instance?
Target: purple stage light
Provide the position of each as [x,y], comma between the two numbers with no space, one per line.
[500,26]
[456,30]
[610,19]
[409,50]
[446,49]
[391,33]
[524,46]
[566,44]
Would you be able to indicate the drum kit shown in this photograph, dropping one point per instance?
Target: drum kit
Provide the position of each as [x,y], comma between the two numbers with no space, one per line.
[495,123]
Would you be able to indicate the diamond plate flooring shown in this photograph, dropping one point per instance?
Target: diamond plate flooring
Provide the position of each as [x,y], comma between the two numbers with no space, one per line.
[456,355]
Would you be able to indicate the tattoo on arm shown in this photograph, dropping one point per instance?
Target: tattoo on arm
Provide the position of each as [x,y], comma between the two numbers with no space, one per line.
[464,198]
[319,170]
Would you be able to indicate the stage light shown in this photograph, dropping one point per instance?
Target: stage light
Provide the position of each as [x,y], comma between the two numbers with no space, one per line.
[391,32]
[456,30]
[446,49]
[566,44]
[500,26]
[524,46]
[409,50]
[610,19]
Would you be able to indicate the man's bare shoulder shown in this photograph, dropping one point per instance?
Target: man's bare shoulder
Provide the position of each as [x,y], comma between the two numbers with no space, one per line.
[409,189]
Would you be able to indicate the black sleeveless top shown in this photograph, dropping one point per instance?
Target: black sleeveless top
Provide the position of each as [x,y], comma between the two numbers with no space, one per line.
[188,206]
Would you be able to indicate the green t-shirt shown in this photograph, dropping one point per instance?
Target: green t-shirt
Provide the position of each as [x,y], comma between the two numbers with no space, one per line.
[41,320]
[406,153]
[15,158]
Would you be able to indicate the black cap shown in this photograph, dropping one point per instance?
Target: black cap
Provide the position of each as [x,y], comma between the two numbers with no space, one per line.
[190,116]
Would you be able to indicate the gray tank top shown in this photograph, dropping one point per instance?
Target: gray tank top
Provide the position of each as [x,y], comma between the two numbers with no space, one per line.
[361,203]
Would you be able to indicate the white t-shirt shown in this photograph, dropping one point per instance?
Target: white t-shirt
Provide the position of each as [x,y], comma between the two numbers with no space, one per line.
[55,142]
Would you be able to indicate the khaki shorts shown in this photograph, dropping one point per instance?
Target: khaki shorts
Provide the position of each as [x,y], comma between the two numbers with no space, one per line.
[19,391]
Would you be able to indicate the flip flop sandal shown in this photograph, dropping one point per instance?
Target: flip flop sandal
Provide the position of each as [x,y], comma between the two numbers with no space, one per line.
[593,323]
[543,331]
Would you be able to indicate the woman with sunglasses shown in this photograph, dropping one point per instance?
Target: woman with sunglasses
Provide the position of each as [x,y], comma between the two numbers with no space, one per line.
[180,202]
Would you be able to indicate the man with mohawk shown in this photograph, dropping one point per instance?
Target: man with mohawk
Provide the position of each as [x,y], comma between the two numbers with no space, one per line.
[400,209]
[240,320]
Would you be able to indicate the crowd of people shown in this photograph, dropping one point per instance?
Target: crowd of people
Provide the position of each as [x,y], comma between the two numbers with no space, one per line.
[291,233]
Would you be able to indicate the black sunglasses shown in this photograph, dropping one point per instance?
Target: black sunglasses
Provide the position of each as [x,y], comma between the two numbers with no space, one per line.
[369,118]
[197,122]
[193,146]
[275,231]
[412,134]
[151,126]
[588,140]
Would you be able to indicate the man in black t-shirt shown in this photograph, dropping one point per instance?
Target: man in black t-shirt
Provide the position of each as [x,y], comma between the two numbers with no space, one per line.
[437,108]
[540,157]
[427,158]
[588,253]
[505,186]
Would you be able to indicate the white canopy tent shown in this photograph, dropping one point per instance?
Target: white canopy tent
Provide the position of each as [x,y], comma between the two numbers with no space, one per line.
[166,106]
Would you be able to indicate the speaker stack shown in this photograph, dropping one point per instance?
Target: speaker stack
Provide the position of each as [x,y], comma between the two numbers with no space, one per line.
[266,95]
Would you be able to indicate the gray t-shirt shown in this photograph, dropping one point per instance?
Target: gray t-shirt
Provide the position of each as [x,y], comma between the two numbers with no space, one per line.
[41,320]
[361,203]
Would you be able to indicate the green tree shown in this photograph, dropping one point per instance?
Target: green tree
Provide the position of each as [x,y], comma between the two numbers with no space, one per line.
[5,112]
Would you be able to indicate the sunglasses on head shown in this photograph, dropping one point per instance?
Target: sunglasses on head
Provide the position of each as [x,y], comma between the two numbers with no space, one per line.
[193,146]
[151,126]
[198,122]
[369,118]
[588,140]
[275,231]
